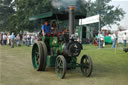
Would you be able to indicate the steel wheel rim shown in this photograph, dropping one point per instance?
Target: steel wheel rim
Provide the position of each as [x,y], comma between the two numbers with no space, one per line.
[59,67]
[35,56]
[86,65]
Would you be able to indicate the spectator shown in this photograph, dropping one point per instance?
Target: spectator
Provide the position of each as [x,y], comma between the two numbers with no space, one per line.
[8,39]
[54,28]
[4,38]
[21,37]
[88,40]
[113,37]
[0,39]
[28,39]
[100,40]
[12,40]
[32,39]
[18,40]
[25,39]
[125,39]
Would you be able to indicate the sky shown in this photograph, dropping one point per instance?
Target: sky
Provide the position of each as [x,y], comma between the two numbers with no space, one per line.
[123,4]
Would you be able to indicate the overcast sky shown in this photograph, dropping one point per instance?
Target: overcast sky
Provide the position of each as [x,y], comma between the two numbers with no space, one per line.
[123,4]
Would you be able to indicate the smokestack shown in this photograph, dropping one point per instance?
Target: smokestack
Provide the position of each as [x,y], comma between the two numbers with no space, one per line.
[71,20]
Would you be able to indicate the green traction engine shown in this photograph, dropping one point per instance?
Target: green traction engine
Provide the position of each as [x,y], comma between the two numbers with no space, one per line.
[61,52]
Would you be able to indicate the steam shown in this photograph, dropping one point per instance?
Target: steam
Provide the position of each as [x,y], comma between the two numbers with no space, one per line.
[58,4]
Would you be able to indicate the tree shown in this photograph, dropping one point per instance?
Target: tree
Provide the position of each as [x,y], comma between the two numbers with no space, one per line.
[17,13]
[25,9]
[109,13]
[6,9]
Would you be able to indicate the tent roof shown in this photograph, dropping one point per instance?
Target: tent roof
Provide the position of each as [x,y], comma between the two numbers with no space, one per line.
[44,15]
[59,16]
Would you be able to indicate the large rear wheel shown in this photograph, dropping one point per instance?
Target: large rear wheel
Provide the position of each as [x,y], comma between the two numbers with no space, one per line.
[86,65]
[60,66]
[45,54]
[38,56]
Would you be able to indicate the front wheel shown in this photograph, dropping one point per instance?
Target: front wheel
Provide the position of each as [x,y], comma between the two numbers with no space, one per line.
[86,65]
[60,66]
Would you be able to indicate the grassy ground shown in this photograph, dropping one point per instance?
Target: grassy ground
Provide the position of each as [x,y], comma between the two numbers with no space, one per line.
[110,68]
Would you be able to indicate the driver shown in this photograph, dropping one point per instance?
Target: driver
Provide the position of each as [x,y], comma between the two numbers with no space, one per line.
[46,28]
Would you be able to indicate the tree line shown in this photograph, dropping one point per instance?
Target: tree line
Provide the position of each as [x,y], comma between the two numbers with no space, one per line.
[14,14]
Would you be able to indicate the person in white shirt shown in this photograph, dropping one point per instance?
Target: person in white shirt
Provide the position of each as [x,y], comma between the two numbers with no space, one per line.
[113,37]
[28,39]
[125,39]
[32,39]
[100,40]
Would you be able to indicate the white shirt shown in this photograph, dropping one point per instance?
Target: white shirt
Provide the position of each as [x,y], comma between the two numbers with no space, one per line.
[32,37]
[4,37]
[124,37]
[113,37]
[28,36]
[100,36]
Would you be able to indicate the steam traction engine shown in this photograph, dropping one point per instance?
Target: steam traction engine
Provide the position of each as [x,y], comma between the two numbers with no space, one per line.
[61,52]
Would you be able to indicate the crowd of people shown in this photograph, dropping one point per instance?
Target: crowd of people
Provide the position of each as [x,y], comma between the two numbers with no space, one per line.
[48,30]
[11,39]
[114,37]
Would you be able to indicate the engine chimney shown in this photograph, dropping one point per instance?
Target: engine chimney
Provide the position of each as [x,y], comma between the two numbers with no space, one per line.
[71,20]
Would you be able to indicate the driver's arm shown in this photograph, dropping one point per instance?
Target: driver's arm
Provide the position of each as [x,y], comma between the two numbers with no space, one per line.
[43,27]
[43,32]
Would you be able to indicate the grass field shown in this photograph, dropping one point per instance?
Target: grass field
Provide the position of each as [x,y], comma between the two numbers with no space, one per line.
[110,68]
